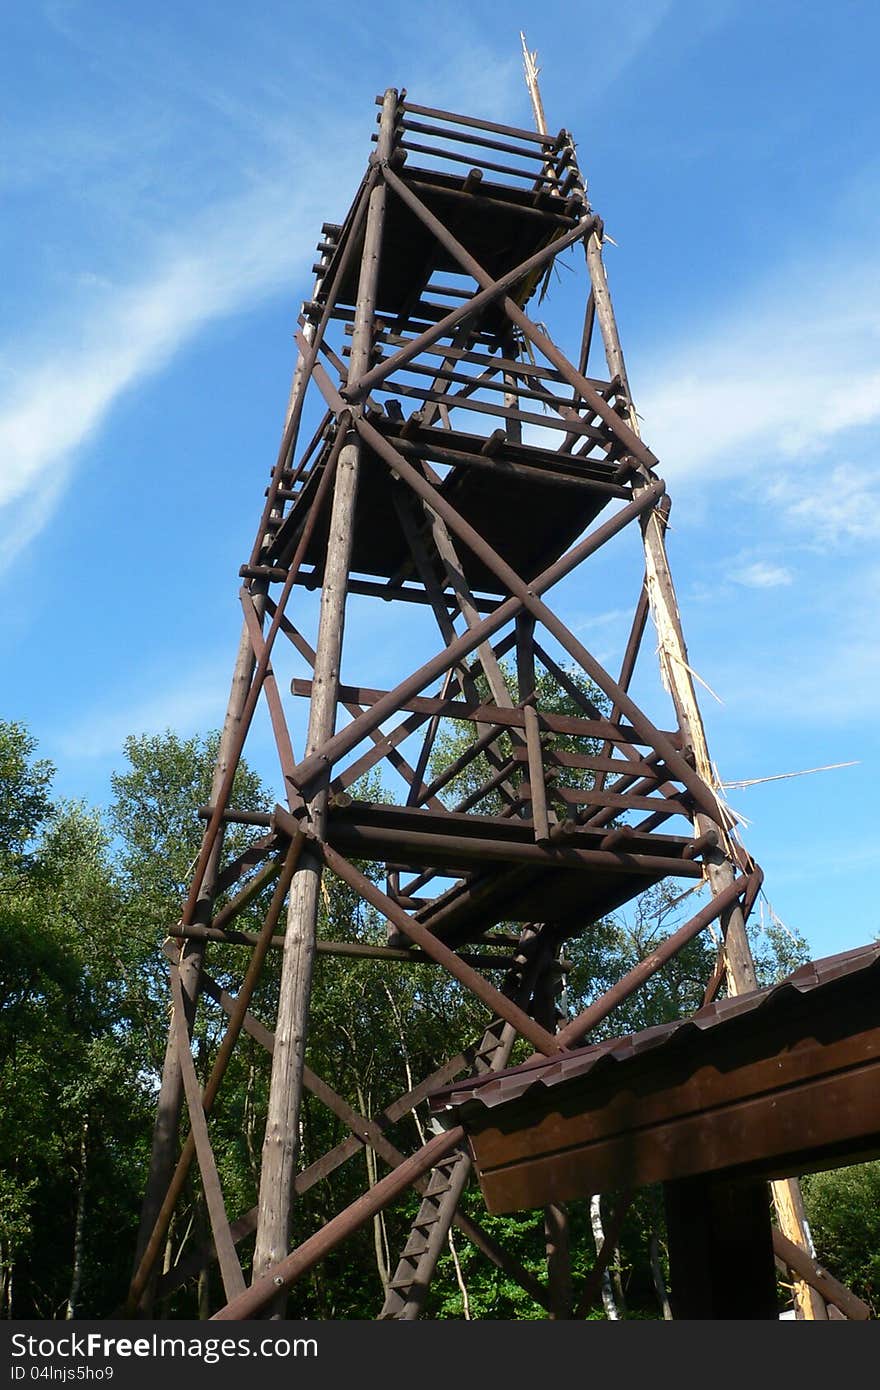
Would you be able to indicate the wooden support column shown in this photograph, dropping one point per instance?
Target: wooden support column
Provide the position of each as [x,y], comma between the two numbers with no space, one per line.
[527,683]
[280,1144]
[739,964]
[513,428]
[168,1110]
[720,1242]
[788,1201]
[557,1233]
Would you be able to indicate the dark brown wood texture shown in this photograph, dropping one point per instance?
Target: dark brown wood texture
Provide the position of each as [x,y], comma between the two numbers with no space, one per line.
[779,1093]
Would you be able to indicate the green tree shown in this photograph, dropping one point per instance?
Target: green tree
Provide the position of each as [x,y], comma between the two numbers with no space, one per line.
[843,1209]
[155,815]
[158,833]
[83,1009]
[25,784]
[71,1096]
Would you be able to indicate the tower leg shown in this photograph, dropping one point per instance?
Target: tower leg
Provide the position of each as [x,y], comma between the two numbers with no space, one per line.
[285,1093]
[164,1145]
[740,967]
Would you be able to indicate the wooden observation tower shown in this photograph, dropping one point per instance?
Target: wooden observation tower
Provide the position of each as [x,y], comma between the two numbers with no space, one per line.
[461,464]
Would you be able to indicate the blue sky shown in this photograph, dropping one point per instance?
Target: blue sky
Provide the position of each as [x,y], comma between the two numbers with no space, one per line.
[166,172]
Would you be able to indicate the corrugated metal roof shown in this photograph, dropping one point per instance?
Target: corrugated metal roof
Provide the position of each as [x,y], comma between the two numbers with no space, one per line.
[501,1087]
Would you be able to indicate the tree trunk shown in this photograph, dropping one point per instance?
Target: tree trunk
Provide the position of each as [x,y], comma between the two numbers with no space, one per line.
[608,1303]
[657,1276]
[380,1239]
[5,1281]
[459,1279]
[79,1224]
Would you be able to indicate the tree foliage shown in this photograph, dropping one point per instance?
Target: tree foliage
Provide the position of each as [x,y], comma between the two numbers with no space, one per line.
[73,1106]
[843,1209]
[85,902]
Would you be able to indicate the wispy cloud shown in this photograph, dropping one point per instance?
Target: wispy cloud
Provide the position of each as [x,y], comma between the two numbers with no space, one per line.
[594,621]
[842,504]
[819,668]
[190,706]
[235,256]
[761,574]
[785,375]
[218,228]
[616,48]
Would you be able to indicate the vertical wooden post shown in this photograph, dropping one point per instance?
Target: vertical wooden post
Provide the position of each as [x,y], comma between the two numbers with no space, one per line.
[168,1109]
[512,428]
[282,1122]
[740,966]
[720,1248]
[536,807]
[557,1234]
[169,1105]
[788,1201]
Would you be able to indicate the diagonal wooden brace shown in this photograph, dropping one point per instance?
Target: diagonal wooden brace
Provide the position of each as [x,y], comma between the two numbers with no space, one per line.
[336,747]
[622,432]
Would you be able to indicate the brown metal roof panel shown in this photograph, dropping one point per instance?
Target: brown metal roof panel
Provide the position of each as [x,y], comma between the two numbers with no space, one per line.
[516,1082]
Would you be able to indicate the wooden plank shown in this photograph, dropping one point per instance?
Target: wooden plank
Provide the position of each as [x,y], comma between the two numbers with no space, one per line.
[572,423]
[622,801]
[537,785]
[782,1073]
[230,1269]
[410,848]
[815,1274]
[474,160]
[469,138]
[763,1135]
[550,142]
[566,471]
[594,762]
[540,370]
[483,713]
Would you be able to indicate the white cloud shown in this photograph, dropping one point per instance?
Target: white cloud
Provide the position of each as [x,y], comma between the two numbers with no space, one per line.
[840,505]
[240,253]
[192,706]
[58,381]
[783,377]
[615,616]
[761,574]
[818,667]
[620,45]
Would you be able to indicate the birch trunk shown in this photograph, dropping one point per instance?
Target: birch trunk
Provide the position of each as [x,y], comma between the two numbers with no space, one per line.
[79,1225]
[608,1303]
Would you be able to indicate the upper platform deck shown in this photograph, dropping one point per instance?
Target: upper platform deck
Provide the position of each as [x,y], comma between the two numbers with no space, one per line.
[519,454]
